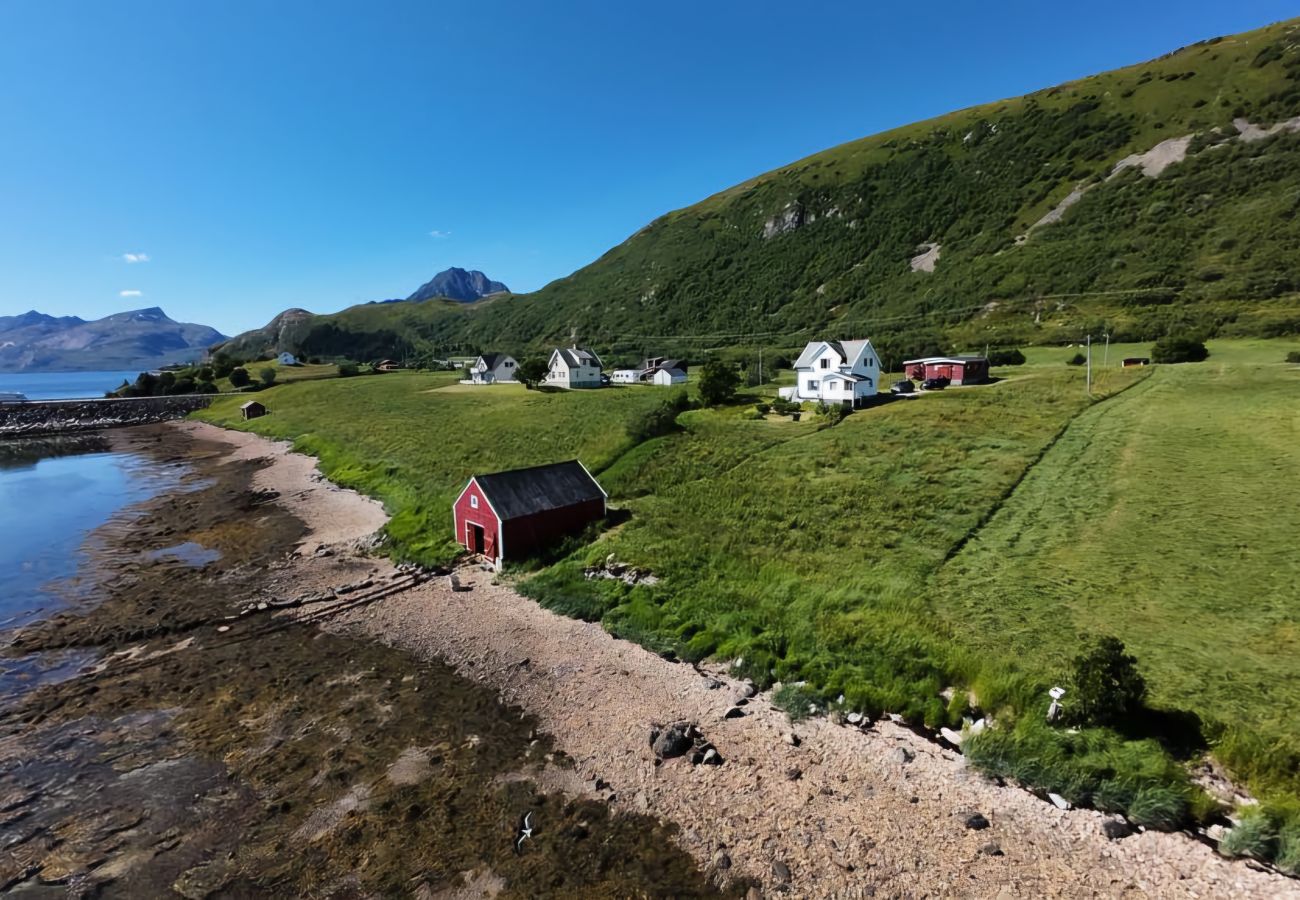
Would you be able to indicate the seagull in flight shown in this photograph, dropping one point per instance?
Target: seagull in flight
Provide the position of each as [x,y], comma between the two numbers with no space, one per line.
[525,831]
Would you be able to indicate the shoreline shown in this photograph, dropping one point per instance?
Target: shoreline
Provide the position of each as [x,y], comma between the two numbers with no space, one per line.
[847,812]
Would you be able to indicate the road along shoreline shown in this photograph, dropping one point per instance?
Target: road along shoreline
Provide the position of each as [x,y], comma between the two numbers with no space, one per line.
[815,809]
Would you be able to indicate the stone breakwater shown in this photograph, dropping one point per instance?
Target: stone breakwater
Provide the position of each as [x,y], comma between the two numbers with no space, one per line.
[57,416]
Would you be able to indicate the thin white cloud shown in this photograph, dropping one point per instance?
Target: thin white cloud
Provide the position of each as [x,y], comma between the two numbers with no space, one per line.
[135,257]
[130,293]
[439,234]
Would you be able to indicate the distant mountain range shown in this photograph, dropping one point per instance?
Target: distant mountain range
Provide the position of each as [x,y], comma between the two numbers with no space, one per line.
[458,284]
[141,338]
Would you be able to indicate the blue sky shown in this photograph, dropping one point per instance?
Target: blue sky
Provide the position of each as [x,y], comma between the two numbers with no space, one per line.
[261,155]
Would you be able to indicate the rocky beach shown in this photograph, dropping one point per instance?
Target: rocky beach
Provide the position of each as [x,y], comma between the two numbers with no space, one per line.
[295,714]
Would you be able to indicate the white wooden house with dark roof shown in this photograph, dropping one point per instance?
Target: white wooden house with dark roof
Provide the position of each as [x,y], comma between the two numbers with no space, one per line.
[574,367]
[844,372]
[493,368]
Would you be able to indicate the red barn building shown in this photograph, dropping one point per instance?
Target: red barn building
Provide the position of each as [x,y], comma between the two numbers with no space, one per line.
[512,515]
[957,369]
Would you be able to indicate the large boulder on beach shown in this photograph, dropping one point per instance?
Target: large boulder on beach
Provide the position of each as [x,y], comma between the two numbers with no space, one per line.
[672,740]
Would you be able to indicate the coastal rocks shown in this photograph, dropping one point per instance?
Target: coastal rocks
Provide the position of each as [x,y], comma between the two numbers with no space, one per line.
[977,822]
[901,756]
[1058,801]
[991,849]
[617,571]
[791,738]
[56,416]
[1117,829]
[673,741]
[202,881]
[781,871]
[682,738]
[734,712]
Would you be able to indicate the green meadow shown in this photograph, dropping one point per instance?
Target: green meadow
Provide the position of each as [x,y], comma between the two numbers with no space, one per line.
[971,538]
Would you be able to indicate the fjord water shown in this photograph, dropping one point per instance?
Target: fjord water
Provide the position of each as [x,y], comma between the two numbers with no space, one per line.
[63,385]
[52,495]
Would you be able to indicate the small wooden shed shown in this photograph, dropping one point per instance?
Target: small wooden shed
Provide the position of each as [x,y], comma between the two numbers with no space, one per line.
[513,514]
[1131,361]
[252,410]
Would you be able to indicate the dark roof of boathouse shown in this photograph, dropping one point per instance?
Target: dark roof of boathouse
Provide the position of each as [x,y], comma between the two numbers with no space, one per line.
[525,492]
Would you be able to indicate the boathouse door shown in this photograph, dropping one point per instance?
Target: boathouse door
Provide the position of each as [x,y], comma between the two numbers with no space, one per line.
[475,537]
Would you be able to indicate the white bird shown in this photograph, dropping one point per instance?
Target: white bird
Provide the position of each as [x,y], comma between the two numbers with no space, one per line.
[525,831]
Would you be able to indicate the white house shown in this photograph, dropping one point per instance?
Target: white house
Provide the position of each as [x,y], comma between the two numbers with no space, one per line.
[286,359]
[846,372]
[665,377]
[575,367]
[491,368]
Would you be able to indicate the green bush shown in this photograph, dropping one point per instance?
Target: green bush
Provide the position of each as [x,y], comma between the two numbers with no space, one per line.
[347,370]
[268,376]
[1253,836]
[658,420]
[1106,687]
[833,413]
[239,377]
[1293,356]
[796,700]
[1077,360]
[1006,356]
[1176,349]
[718,383]
[763,408]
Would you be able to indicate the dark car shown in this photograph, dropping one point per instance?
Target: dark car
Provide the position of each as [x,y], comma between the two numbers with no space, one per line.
[605,379]
[934,384]
[902,387]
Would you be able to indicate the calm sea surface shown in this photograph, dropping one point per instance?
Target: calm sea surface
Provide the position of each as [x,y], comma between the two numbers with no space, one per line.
[63,385]
[52,494]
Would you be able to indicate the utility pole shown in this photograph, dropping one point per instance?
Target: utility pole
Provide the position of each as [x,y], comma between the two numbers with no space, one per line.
[1089,365]
[1105,358]
[760,364]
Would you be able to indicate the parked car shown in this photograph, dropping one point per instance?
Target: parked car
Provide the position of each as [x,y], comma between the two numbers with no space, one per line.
[934,384]
[605,380]
[903,387]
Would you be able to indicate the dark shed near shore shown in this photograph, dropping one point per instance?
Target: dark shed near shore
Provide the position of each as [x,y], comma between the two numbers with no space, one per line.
[513,514]
[252,410]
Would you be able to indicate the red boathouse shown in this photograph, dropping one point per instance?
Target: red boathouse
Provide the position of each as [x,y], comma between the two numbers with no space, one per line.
[512,515]
[957,369]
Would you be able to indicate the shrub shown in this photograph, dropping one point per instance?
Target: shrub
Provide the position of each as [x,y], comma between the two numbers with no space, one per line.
[1159,806]
[1293,356]
[833,413]
[1077,360]
[1106,686]
[1006,356]
[659,419]
[239,377]
[268,376]
[796,701]
[1175,349]
[1254,836]
[1288,849]
[531,371]
[763,408]
[718,383]
[347,370]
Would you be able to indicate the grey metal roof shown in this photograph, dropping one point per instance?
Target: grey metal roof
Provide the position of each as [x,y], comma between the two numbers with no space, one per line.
[490,360]
[579,356]
[523,492]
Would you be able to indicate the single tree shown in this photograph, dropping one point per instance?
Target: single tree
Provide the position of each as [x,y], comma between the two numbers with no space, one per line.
[268,376]
[1178,349]
[718,382]
[1106,687]
[531,371]
[239,377]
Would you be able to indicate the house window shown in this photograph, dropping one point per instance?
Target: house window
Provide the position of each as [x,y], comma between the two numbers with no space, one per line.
[812,385]
[473,502]
[826,363]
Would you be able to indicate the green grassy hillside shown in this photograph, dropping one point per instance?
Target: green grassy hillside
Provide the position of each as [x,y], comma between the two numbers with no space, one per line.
[825,244]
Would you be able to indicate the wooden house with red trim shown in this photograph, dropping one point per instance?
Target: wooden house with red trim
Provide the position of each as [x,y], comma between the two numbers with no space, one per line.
[514,514]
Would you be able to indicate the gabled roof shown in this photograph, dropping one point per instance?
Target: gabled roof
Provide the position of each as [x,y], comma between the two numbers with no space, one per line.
[670,371]
[523,492]
[490,360]
[251,403]
[847,350]
[950,360]
[578,356]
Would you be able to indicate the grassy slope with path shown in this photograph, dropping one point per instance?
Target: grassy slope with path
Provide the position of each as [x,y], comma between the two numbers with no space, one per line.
[1164,517]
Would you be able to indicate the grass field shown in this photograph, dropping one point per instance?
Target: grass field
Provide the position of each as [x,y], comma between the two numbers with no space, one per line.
[966,538]
[1167,518]
[412,440]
